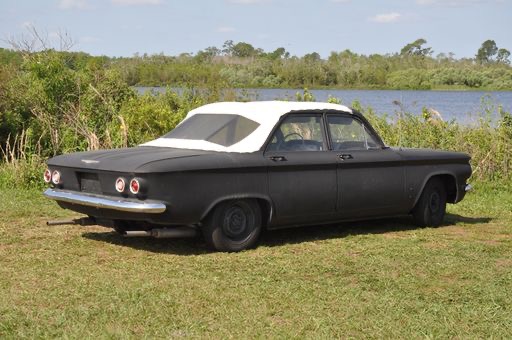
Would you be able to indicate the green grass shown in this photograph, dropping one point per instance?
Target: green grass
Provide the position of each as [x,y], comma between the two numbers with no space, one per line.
[368,279]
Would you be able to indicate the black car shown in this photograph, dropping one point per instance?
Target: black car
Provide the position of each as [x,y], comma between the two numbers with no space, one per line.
[231,169]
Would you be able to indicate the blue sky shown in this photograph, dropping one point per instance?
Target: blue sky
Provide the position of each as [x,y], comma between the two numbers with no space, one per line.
[124,27]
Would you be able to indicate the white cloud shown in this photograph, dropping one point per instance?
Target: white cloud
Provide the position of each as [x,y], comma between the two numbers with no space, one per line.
[247,2]
[226,29]
[137,2]
[73,4]
[340,1]
[386,18]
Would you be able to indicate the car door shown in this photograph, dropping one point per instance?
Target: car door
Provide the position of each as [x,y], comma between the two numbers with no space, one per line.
[301,170]
[371,178]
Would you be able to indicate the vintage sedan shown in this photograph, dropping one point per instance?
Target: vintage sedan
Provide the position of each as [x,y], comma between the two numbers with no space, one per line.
[231,169]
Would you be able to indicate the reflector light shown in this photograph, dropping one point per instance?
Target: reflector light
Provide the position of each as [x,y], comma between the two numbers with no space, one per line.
[134,186]
[47,176]
[56,177]
[120,184]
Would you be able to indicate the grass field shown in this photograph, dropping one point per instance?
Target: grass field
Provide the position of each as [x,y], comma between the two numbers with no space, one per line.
[368,279]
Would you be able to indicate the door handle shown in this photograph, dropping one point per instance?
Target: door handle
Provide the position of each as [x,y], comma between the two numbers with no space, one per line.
[345,156]
[277,158]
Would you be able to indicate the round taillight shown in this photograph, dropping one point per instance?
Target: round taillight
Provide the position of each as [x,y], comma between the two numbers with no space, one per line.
[56,177]
[134,186]
[120,184]
[47,176]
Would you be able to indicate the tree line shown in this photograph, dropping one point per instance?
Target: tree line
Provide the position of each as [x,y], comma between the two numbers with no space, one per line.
[239,65]
[243,65]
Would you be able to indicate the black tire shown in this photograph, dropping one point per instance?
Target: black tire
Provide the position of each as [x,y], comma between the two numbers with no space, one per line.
[233,226]
[431,207]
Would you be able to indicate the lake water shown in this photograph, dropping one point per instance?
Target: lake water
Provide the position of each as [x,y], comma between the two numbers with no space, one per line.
[464,106]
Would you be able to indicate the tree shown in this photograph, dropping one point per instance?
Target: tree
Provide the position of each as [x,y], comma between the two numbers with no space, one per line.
[416,48]
[278,54]
[503,56]
[486,52]
[312,57]
[243,50]
[227,47]
[207,54]
[212,51]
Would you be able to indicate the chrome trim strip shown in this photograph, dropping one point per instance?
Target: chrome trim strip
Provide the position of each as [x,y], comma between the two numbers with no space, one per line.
[468,187]
[105,202]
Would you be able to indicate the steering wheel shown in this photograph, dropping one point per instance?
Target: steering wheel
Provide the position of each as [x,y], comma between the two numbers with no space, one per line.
[288,135]
[291,134]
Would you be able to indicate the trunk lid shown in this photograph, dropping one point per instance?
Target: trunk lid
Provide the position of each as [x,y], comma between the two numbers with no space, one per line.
[122,160]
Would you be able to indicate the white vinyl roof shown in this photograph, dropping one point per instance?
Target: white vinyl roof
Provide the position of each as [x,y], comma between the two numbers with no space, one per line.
[265,113]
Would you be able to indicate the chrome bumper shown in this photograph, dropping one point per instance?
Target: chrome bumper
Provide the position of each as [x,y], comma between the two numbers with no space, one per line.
[105,202]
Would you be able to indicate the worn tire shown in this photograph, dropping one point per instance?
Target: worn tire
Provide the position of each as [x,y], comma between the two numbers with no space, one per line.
[233,226]
[431,207]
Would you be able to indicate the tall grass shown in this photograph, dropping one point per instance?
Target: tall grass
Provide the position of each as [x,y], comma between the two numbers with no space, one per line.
[21,166]
[488,142]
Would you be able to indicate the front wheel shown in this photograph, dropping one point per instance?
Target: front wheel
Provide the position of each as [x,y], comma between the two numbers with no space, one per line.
[233,226]
[431,207]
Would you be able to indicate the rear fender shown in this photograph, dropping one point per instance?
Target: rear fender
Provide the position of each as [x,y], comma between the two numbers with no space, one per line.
[268,209]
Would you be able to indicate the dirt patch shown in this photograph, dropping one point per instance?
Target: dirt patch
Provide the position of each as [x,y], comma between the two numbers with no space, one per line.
[491,242]
[279,320]
[434,245]
[504,264]
[391,235]
[456,232]
[354,253]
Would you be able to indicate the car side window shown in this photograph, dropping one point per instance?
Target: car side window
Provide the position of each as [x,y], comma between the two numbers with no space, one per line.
[299,132]
[348,133]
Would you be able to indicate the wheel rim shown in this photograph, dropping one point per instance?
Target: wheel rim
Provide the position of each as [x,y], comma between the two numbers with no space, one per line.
[435,202]
[238,223]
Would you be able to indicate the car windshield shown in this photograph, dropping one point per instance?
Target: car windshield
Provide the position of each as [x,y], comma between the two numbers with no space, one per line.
[222,129]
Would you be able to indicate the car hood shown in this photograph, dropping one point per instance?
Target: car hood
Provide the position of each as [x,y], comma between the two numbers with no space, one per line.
[138,159]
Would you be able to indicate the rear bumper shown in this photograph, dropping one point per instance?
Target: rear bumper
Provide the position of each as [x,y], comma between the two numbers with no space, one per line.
[105,202]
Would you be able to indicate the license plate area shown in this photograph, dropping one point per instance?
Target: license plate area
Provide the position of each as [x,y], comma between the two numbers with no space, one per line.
[89,182]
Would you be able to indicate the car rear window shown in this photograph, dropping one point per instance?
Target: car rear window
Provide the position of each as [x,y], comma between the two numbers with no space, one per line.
[222,129]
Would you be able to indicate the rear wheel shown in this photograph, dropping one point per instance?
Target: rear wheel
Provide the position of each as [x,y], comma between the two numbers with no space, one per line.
[431,207]
[233,226]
